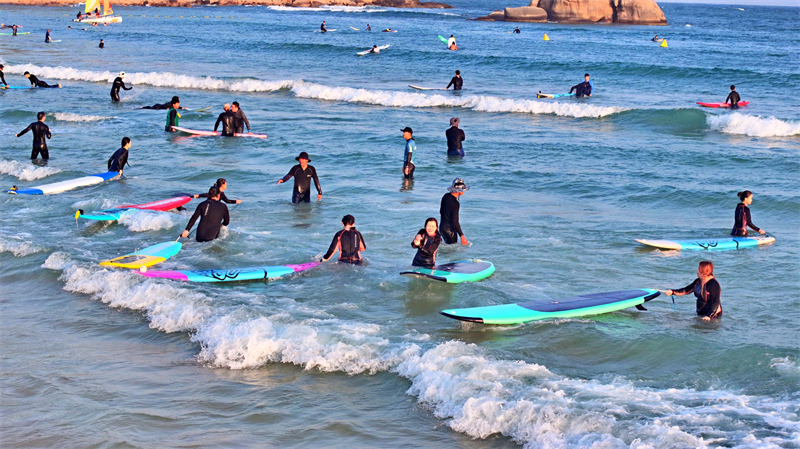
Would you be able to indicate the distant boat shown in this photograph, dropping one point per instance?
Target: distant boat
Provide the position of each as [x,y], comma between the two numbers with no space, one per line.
[107,17]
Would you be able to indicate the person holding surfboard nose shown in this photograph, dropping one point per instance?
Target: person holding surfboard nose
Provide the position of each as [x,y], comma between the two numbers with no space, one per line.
[120,157]
[707,291]
[449,208]
[427,242]
[456,81]
[741,218]
[349,242]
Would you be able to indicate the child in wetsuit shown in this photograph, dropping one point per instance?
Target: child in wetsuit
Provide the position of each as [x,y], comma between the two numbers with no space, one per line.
[427,242]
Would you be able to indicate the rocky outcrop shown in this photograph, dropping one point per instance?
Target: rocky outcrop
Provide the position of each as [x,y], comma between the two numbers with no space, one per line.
[524,14]
[296,3]
[639,12]
[634,12]
[577,11]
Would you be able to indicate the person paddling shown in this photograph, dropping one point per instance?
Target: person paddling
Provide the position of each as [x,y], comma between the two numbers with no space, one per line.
[41,133]
[166,105]
[707,291]
[733,98]
[36,82]
[213,215]
[741,217]
[427,242]
[303,174]
[449,210]
[349,242]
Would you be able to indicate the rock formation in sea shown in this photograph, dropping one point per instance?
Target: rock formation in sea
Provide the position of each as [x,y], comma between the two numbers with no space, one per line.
[634,12]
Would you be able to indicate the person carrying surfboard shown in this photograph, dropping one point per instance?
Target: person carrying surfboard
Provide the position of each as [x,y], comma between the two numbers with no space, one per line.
[741,217]
[456,81]
[408,156]
[303,174]
[36,82]
[221,185]
[173,117]
[349,242]
[449,209]
[228,120]
[583,89]
[454,138]
[733,98]
[707,291]
[41,133]
[118,82]
[213,215]
[427,242]
[120,157]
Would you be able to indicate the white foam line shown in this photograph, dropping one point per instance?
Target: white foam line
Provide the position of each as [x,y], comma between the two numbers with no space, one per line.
[755,126]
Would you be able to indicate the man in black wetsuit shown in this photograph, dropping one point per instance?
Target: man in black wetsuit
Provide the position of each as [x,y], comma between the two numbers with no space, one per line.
[583,89]
[241,119]
[36,82]
[120,157]
[173,117]
[3,76]
[449,226]
[323,28]
[516,30]
[228,120]
[348,241]
[733,98]
[166,105]
[103,45]
[213,215]
[303,174]
[118,82]
[454,138]
[41,133]
[456,81]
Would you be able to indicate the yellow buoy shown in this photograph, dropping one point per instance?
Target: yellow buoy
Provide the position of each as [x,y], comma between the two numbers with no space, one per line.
[664,43]
[545,38]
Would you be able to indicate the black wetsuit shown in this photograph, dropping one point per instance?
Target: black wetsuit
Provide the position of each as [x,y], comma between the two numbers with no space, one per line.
[302,183]
[456,82]
[41,133]
[222,196]
[733,99]
[454,138]
[37,82]
[166,105]
[241,121]
[708,297]
[102,45]
[426,250]
[583,89]
[172,119]
[741,220]
[115,88]
[517,31]
[229,123]
[47,37]
[3,78]
[323,29]
[449,225]
[118,160]
[349,243]
[213,215]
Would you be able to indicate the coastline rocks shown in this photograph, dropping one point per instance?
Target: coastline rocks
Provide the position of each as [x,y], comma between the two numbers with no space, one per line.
[631,12]
[577,11]
[524,14]
[639,12]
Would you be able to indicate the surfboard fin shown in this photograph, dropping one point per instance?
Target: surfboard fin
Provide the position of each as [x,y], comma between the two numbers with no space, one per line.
[640,307]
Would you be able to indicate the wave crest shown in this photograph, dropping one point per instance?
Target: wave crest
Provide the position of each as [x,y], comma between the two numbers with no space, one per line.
[26,171]
[754,126]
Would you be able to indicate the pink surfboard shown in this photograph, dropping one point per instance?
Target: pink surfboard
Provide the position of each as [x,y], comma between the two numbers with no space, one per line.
[722,105]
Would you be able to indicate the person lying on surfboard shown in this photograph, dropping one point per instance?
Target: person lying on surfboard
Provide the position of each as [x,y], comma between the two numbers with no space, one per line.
[427,242]
[166,105]
[733,98]
[707,291]
[36,82]
[375,49]
[741,218]
[456,81]
[349,242]
[213,215]
[221,185]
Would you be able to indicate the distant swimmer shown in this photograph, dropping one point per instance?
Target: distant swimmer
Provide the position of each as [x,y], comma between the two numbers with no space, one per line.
[408,156]
[449,210]
[221,185]
[119,159]
[166,105]
[348,242]
[41,133]
[451,41]
[427,242]
[13,28]
[118,82]
[368,28]
[3,76]
[241,119]
[323,28]
[213,215]
[454,138]
[102,45]
[36,82]
[583,89]
[389,30]
[456,81]
[733,98]
[228,120]
[516,30]
[303,174]
[655,38]
[173,117]
[741,217]
[707,291]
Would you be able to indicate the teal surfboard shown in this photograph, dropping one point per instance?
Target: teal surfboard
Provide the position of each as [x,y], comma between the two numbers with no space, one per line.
[710,244]
[232,275]
[577,306]
[441,38]
[471,270]
[541,95]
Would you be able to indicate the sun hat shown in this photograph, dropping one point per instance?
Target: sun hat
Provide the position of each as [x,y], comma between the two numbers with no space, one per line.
[303,155]
[122,74]
[458,186]
[454,121]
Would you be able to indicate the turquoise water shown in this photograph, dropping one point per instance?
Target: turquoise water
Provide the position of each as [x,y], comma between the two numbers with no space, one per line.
[345,356]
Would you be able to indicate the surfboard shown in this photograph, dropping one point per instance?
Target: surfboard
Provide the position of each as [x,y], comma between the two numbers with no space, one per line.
[721,105]
[198,132]
[114,214]
[541,95]
[583,305]
[63,186]
[145,257]
[11,34]
[471,270]
[366,52]
[353,28]
[53,40]
[425,88]
[16,87]
[328,31]
[232,275]
[206,109]
[710,244]
[441,38]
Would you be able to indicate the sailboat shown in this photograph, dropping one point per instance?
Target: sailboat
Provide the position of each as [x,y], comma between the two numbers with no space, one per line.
[107,17]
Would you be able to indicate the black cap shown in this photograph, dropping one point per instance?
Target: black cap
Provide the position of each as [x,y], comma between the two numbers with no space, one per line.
[407,130]
[303,155]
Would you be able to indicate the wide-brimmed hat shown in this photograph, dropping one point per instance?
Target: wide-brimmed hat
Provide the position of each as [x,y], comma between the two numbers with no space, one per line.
[407,130]
[303,155]
[122,74]
[458,186]
[454,121]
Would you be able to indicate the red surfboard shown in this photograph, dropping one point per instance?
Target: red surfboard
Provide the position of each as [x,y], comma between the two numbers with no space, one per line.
[722,105]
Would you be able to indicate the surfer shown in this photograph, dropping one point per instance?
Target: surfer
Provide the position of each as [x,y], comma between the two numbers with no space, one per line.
[583,89]
[213,215]
[3,76]
[166,105]
[323,28]
[241,119]
[47,37]
[733,98]
[221,185]
[348,241]
[41,133]
[303,173]
[741,217]
[118,82]
[451,41]
[228,120]
[655,38]
[36,82]
[454,138]
[375,49]
[449,208]
[408,156]
[707,291]
[173,117]
[389,30]
[103,45]
[427,242]
[120,157]
[516,30]
[456,81]
[368,28]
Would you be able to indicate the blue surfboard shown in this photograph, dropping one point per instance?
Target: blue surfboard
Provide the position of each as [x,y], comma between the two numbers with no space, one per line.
[710,244]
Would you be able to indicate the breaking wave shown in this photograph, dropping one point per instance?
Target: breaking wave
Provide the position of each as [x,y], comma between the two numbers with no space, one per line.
[754,126]
[26,171]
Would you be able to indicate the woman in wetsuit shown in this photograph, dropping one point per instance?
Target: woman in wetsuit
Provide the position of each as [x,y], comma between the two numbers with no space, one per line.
[741,218]
[427,242]
[222,186]
[707,291]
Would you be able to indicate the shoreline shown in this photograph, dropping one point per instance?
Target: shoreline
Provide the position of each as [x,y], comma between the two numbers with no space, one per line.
[290,3]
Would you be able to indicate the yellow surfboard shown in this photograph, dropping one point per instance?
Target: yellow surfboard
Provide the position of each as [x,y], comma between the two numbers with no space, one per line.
[146,257]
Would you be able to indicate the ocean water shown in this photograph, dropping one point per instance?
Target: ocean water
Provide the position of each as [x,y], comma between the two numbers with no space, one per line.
[344,356]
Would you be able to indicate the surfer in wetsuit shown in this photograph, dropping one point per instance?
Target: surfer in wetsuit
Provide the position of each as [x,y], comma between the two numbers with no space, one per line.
[221,185]
[655,38]
[47,37]
[583,89]
[323,28]
[408,156]
[228,120]
[427,242]
[368,28]
[516,30]
[707,291]
[456,81]
[454,138]
[348,241]
[303,174]
[3,76]
[36,82]
[120,157]
[375,49]
[733,98]
[741,217]
[118,82]
[166,105]
[103,45]
[173,117]
[241,119]
[41,133]
[213,215]
[448,209]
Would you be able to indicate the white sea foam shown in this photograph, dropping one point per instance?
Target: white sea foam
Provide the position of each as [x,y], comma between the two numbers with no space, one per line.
[70,117]
[140,221]
[25,171]
[755,126]
[786,366]
[18,247]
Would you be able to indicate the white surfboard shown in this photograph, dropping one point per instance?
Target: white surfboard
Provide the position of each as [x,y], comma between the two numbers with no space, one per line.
[425,88]
[366,52]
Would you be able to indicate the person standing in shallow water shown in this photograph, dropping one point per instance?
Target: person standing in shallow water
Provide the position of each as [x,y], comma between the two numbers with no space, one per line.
[349,242]
[408,156]
[454,138]
[427,242]
[41,133]
[449,210]
[303,174]
[741,217]
[707,291]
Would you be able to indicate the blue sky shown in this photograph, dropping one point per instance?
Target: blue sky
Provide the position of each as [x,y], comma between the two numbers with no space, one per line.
[739,2]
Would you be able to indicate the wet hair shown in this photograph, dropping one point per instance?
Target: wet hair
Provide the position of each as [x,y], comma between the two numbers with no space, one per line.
[2,66]
[733,87]
[175,99]
[26,73]
[220,182]
[744,194]
[585,74]
[348,220]
[458,72]
[213,192]
[40,115]
[706,268]
[235,103]
[431,219]
[125,141]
